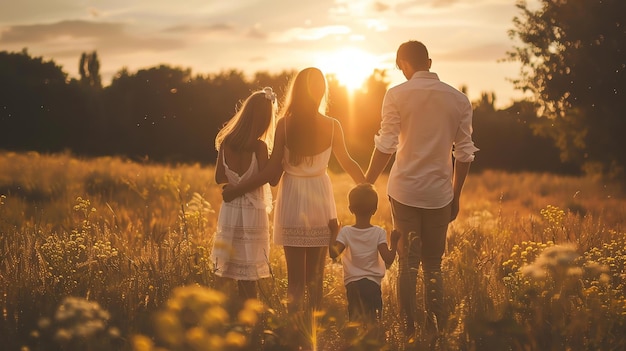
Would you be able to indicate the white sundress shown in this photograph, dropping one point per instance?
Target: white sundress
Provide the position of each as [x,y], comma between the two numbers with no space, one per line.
[242,242]
[305,202]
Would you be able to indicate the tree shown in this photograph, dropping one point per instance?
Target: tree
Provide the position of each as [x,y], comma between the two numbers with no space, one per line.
[89,70]
[36,103]
[573,56]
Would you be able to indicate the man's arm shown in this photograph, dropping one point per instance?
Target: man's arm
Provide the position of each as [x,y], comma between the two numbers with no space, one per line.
[461,170]
[378,162]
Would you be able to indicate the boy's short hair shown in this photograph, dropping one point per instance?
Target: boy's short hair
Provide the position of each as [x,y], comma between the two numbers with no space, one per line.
[363,198]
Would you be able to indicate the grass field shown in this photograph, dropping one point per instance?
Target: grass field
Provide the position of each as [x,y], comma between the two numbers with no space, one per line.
[109,254]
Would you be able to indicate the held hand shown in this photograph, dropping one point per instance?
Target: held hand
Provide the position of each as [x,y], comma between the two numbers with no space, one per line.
[454,210]
[228,193]
[395,237]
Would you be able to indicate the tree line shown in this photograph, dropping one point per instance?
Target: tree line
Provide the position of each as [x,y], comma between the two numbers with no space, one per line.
[168,114]
[573,62]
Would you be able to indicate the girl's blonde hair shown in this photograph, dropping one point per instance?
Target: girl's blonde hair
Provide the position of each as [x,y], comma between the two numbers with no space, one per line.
[305,99]
[255,120]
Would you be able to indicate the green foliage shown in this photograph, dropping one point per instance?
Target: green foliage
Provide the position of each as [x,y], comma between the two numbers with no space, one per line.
[573,56]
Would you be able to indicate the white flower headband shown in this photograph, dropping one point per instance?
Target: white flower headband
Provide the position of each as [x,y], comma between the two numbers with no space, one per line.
[269,94]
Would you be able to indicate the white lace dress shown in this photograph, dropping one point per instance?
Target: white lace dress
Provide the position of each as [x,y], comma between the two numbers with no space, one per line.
[242,242]
[304,202]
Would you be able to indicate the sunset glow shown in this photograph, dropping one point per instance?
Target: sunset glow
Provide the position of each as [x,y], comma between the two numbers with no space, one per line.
[351,66]
[466,38]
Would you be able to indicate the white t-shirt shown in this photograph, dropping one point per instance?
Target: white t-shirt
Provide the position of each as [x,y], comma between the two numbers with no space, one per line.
[361,258]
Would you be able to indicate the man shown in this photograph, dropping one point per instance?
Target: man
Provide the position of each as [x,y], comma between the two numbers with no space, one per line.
[424,122]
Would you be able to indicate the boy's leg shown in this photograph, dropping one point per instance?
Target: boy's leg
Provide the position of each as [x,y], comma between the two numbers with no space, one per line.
[355,305]
[371,295]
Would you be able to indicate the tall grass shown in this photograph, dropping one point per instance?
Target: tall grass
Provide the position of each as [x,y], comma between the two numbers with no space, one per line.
[534,262]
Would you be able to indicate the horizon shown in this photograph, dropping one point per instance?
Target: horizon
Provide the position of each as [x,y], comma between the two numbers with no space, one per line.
[467,40]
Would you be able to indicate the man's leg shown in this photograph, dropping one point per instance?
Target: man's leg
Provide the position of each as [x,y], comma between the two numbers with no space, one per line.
[435,226]
[407,221]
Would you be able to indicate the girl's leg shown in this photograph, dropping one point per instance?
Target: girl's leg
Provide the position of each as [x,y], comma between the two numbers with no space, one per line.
[315,261]
[247,289]
[296,275]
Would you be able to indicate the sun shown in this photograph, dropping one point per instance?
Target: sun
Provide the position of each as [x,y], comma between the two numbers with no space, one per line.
[351,66]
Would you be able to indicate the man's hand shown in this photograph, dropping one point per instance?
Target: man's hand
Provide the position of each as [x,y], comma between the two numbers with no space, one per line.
[454,210]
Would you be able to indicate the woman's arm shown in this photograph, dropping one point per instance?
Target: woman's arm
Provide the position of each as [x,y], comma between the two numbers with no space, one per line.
[335,248]
[263,159]
[262,155]
[343,157]
[271,172]
[220,171]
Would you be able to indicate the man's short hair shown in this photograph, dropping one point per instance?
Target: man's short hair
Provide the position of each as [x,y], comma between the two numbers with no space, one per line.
[414,52]
[363,198]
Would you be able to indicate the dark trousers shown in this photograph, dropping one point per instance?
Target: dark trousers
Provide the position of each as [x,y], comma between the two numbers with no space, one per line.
[365,302]
[423,241]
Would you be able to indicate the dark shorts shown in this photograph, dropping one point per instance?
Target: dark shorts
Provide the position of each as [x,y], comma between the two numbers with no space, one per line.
[364,300]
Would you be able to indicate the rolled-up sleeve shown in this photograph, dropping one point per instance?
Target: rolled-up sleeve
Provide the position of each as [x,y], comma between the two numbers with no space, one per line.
[464,147]
[386,140]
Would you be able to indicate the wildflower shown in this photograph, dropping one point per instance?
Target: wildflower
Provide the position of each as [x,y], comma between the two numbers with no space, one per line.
[142,343]
[235,339]
[80,318]
[247,317]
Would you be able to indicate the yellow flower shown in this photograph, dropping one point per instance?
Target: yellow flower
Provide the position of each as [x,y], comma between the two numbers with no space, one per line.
[247,316]
[235,339]
[214,317]
[169,328]
[142,343]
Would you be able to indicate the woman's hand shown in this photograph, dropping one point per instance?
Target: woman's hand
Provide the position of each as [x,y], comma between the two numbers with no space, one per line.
[229,193]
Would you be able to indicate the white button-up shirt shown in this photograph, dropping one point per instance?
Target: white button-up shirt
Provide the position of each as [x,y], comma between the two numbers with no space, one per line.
[423,119]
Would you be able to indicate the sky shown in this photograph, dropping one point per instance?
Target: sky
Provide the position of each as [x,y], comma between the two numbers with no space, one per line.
[467,39]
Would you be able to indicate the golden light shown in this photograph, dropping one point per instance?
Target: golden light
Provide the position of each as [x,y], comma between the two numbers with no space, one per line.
[351,66]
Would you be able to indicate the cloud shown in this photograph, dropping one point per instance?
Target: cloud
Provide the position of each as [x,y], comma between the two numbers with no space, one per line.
[380,6]
[310,34]
[42,32]
[256,33]
[443,3]
[186,28]
[106,36]
[487,52]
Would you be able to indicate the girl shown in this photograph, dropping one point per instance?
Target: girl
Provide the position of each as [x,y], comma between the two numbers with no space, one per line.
[241,245]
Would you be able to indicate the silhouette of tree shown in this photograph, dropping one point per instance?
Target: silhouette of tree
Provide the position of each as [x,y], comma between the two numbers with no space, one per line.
[507,142]
[573,56]
[35,103]
[89,70]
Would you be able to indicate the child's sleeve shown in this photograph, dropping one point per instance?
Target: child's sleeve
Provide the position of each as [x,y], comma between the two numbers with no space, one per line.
[382,236]
[341,237]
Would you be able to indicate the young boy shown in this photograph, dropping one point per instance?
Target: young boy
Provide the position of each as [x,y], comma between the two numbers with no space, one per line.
[367,255]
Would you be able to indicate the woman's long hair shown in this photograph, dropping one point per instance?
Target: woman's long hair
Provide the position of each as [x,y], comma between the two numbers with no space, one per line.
[253,121]
[304,100]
